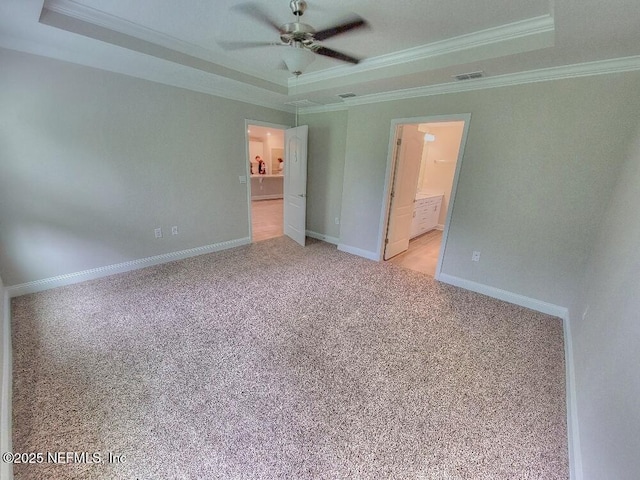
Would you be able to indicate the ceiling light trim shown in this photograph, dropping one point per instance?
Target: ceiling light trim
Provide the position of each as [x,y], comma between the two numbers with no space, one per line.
[601,67]
[536,26]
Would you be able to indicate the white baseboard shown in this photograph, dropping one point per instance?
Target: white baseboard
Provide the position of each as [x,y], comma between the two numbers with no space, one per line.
[359,252]
[6,362]
[274,196]
[77,277]
[324,238]
[6,375]
[515,298]
[573,432]
[575,457]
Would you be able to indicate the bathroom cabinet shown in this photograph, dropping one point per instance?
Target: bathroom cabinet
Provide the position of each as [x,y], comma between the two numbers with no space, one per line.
[426,211]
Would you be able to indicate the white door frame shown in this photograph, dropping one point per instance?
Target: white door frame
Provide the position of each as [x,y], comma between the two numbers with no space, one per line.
[248,122]
[384,214]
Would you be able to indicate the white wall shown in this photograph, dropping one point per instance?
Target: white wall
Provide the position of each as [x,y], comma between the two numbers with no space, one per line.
[272,141]
[606,341]
[439,160]
[5,381]
[93,161]
[325,169]
[540,162]
[545,164]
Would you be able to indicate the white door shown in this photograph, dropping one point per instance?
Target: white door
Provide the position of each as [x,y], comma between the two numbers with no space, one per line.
[295,183]
[403,192]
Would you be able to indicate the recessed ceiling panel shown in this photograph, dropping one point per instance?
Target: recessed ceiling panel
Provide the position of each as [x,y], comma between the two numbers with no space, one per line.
[409,44]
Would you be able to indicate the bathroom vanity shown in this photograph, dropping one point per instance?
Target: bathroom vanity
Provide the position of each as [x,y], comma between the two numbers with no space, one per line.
[426,211]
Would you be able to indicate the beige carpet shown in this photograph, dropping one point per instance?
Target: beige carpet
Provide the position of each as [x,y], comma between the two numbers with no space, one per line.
[271,361]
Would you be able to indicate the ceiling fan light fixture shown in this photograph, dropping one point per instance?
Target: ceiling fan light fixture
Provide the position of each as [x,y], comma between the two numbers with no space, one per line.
[303,38]
[297,59]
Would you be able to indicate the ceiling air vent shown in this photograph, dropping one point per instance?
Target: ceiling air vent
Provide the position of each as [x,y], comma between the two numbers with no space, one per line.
[347,95]
[469,76]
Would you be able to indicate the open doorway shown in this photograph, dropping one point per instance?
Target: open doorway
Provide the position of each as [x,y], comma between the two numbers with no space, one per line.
[265,164]
[425,158]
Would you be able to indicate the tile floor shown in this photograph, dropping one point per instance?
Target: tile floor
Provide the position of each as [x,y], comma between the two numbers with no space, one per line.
[267,219]
[422,254]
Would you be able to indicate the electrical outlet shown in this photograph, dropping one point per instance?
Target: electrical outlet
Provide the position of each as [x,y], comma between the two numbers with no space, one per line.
[475,257]
[158,232]
[337,220]
[174,230]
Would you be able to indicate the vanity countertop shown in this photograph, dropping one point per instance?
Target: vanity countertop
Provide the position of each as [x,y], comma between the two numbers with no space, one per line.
[424,195]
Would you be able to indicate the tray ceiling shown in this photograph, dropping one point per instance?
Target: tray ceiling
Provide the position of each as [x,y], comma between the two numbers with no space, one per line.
[412,44]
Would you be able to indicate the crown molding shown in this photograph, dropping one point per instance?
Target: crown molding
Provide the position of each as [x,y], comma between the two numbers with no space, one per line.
[541,25]
[333,107]
[89,15]
[205,86]
[601,67]
[492,42]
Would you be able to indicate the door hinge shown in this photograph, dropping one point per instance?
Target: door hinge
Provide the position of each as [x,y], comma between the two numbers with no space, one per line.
[386,241]
[399,142]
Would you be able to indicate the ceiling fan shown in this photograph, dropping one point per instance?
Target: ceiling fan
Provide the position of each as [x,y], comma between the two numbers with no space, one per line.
[301,38]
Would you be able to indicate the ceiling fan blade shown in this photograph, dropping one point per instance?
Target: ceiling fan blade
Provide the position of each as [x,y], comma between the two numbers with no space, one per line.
[256,12]
[353,23]
[240,45]
[328,52]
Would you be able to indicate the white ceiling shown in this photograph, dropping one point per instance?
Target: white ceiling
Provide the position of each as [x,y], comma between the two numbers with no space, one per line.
[261,132]
[411,44]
